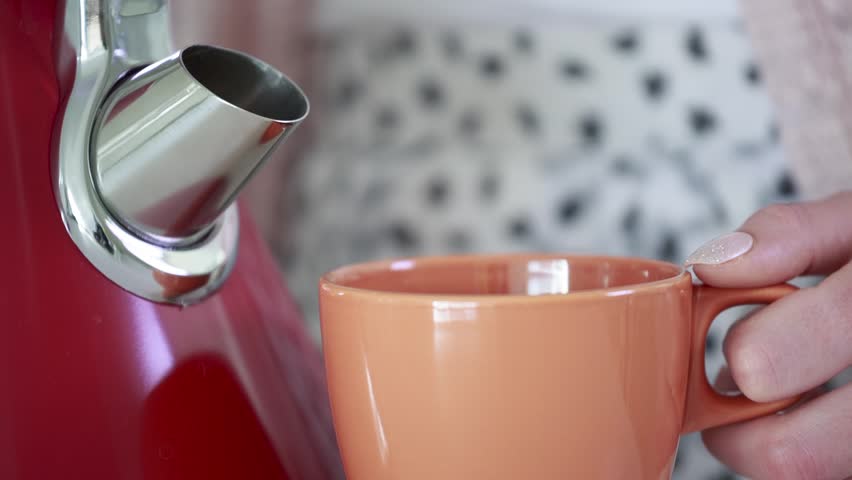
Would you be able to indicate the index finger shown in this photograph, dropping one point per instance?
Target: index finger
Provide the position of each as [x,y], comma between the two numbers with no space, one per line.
[786,241]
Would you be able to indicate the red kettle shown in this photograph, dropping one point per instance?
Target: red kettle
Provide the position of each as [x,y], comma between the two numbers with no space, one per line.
[144,330]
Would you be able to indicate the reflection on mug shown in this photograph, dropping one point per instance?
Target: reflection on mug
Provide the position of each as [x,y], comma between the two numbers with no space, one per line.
[174,286]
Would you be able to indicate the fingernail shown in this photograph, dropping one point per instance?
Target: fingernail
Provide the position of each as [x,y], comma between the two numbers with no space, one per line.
[724,382]
[721,250]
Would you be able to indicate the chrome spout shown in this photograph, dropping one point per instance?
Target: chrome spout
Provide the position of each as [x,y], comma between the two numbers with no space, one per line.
[174,143]
[152,147]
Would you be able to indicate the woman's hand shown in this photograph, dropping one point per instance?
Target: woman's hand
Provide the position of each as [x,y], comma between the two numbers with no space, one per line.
[791,346]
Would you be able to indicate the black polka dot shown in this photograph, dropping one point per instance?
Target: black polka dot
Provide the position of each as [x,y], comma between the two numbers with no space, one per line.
[748,149]
[348,92]
[523,41]
[630,221]
[364,247]
[696,46]
[702,121]
[403,42]
[752,74]
[774,133]
[489,186]
[574,69]
[387,118]
[519,227]
[570,209]
[626,41]
[430,93]
[331,42]
[669,249]
[654,84]
[470,123]
[491,65]
[376,193]
[452,45]
[458,240]
[299,201]
[591,130]
[626,166]
[380,53]
[287,258]
[786,185]
[720,215]
[528,119]
[711,343]
[402,235]
[724,475]
[437,191]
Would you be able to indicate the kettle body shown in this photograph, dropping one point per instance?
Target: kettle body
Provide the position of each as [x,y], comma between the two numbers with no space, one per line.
[99,383]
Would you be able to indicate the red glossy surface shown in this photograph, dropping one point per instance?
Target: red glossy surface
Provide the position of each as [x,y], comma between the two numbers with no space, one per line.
[96,383]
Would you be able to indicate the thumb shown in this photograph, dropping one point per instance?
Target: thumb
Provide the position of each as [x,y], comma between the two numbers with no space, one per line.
[779,243]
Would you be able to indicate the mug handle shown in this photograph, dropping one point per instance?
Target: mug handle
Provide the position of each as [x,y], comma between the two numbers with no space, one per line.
[705,407]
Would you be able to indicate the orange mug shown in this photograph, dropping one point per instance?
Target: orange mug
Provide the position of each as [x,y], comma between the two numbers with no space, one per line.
[522,366]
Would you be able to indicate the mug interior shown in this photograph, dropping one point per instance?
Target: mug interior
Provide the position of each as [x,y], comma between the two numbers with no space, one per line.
[500,275]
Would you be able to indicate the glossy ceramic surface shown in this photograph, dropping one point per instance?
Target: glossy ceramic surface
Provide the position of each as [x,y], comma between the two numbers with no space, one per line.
[512,367]
[96,383]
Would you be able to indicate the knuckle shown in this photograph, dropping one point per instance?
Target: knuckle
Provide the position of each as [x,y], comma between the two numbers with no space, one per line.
[786,457]
[792,221]
[835,301]
[790,215]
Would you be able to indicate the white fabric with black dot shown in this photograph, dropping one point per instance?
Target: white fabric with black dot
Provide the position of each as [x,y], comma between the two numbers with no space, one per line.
[592,137]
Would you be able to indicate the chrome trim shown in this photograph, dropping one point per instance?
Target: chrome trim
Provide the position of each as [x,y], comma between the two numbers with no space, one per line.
[185,252]
[175,141]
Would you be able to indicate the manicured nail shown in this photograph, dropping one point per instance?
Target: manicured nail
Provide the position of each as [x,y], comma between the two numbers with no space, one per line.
[721,250]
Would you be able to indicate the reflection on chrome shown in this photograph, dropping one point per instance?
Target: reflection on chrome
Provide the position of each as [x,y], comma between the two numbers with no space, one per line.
[154,146]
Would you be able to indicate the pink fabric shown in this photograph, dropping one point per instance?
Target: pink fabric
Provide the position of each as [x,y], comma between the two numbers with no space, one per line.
[274,31]
[805,47]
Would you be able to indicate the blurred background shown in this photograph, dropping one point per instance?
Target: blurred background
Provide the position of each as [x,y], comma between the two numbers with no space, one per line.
[630,128]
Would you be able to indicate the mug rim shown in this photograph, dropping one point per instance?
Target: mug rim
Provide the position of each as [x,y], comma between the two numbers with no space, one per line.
[331,282]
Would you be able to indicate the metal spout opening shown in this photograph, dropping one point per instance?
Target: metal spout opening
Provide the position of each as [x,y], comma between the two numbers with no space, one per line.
[245,83]
[174,143]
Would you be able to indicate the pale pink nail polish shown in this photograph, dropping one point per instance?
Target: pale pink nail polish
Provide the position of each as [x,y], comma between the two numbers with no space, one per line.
[721,250]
